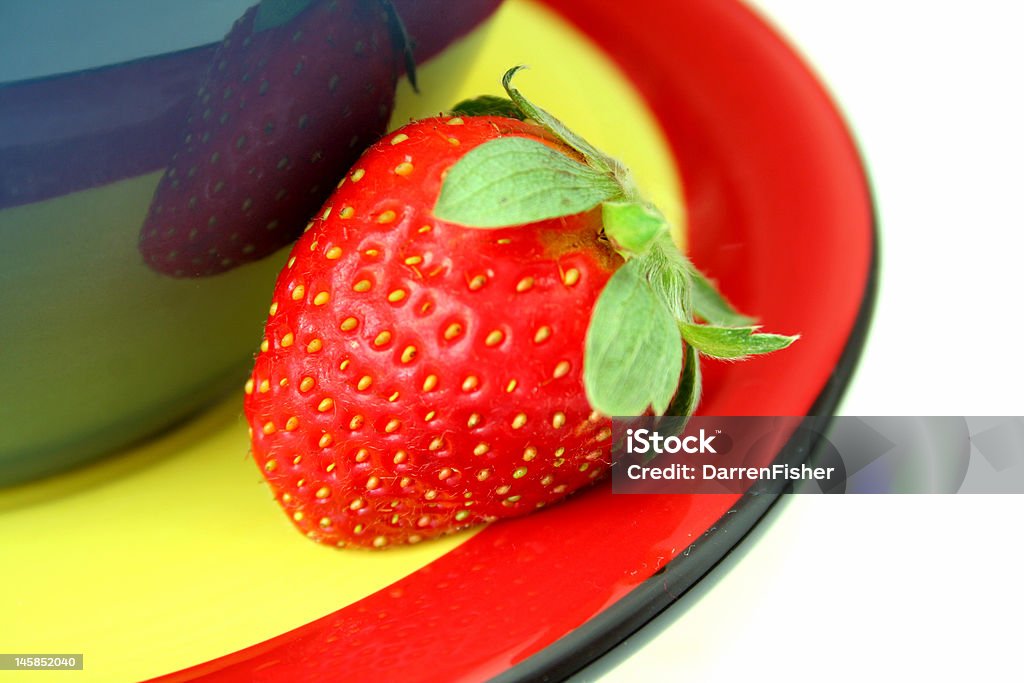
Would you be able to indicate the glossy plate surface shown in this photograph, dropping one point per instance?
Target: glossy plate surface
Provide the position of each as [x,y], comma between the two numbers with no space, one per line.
[171,560]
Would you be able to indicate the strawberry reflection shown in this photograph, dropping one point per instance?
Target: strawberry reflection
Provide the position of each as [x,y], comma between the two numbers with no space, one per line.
[290,98]
[87,128]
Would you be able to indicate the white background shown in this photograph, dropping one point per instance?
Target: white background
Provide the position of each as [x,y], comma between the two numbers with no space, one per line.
[885,587]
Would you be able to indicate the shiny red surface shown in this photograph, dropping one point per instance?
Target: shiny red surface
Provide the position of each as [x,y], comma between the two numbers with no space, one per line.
[781,214]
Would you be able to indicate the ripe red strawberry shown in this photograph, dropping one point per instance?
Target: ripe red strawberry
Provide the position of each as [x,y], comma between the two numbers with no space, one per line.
[419,376]
[293,95]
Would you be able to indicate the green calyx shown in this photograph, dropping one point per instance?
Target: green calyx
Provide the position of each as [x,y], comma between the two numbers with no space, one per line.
[658,314]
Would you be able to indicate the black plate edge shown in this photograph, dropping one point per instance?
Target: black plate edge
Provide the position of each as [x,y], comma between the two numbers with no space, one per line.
[576,650]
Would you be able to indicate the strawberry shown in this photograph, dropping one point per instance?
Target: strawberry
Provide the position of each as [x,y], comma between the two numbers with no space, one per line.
[292,96]
[457,323]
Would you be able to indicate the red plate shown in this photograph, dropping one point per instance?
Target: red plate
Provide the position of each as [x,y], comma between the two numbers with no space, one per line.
[780,213]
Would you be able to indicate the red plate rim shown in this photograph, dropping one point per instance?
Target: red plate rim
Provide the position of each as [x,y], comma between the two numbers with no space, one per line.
[544,595]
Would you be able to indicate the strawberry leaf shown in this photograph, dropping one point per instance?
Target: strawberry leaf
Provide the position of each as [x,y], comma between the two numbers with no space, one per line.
[513,181]
[633,355]
[488,105]
[594,156]
[710,305]
[732,342]
[632,226]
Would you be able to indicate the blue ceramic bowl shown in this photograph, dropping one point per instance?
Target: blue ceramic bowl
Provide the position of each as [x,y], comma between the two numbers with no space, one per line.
[97,347]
